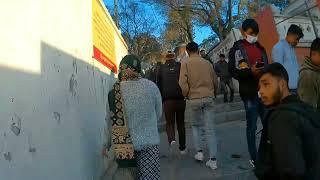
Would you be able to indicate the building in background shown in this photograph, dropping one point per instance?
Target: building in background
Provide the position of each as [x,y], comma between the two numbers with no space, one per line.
[274,26]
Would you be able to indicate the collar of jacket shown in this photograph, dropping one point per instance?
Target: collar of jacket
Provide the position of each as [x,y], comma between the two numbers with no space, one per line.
[171,61]
[239,45]
[294,99]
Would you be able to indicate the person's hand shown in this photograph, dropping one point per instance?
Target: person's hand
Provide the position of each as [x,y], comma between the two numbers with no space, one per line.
[244,65]
[256,71]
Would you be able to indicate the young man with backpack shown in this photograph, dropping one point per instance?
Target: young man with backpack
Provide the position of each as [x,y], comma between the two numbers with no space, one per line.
[290,141]
[173,101]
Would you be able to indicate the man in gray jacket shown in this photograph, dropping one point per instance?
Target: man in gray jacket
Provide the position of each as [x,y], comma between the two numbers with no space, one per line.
[222,70]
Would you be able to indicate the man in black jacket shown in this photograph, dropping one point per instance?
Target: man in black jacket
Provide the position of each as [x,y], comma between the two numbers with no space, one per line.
[246,61]
[173,101]
[290,142]
[222,70]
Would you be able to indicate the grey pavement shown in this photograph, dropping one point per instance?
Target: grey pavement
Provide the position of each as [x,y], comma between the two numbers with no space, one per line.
[233,158]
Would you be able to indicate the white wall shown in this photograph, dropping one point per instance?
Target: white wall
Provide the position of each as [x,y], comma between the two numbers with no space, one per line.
[50,84]
[301,21]
[225,46]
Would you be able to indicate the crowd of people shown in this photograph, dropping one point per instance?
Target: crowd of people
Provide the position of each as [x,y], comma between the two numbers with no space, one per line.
[285,96]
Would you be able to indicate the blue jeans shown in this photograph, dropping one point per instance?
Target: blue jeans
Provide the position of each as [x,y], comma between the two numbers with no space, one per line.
[203,124]
[254,108]
[293,91]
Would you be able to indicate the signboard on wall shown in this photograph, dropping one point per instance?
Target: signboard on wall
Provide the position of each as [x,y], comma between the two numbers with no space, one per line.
[103,36]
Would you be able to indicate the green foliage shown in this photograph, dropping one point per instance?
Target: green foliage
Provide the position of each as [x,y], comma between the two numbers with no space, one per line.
[281,4]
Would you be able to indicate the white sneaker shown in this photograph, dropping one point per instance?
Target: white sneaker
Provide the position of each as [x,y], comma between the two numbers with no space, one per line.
[199,156]
[184,152]
[174,149]
[212,164]
[173,143]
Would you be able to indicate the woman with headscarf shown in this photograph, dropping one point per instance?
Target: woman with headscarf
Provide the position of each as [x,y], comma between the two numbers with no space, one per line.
[135,108]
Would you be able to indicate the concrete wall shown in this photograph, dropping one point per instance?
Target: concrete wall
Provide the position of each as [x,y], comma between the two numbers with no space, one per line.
[53,94]
[302,21]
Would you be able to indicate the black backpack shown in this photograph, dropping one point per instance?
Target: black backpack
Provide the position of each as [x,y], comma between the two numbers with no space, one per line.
[169,81]
[310,120]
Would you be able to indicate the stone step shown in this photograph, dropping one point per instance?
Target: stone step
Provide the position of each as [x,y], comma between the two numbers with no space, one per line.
[228,107]
[220,118]
[224,112]
[223,117]
[220,98]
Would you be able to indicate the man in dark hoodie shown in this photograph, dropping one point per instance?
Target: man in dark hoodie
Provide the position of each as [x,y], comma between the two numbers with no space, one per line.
[174,104]
[222,70]
[246,61]
[309,82]
[290,141]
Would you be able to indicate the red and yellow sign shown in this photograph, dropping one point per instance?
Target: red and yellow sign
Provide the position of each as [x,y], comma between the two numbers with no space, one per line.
[103,36]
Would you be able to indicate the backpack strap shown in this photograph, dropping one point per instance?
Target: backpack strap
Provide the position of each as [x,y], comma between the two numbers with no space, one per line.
[187,70]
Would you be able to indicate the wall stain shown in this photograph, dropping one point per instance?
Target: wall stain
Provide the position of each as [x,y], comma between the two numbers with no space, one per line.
[75,66]
[7,156]
[57,117]
[16,125]
[103,88]
[12,100]
[32,148]
[56,67]
[73,83]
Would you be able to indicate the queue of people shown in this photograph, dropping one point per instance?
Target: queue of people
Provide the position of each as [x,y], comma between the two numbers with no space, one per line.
[286,100]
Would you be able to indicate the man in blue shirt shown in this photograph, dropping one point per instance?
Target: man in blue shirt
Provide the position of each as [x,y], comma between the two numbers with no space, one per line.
[284,53]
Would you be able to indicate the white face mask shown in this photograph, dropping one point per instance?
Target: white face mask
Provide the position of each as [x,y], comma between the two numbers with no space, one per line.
[251,39]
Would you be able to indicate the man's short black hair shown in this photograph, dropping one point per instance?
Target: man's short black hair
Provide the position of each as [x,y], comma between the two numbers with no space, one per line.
[250,23]
[222,55]
[192,47]
[277,70]
[294,29]
[315,46]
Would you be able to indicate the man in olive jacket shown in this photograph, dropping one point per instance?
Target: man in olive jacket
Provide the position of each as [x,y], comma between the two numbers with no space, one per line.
[309,82]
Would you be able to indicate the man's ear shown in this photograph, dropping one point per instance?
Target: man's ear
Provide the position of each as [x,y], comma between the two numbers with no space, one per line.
[283,84]
[242,32]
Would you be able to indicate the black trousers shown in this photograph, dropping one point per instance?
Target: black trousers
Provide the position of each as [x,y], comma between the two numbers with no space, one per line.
[174,113]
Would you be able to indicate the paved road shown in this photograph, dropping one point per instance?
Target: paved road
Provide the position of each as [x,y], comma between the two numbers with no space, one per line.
[231,141]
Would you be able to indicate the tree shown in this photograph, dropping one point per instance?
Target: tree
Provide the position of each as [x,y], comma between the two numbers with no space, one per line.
[137,29]
[179,29]
[146,47]
[219,15]
[209,42]
[281,4]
